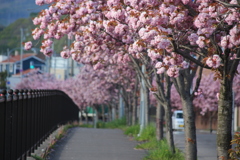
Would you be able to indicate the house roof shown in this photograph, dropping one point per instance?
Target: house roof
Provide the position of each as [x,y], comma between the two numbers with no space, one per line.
[27,71]
[17,58]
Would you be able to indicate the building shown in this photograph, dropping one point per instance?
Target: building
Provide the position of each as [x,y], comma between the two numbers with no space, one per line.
[29,61]
[12,65]
[63,68]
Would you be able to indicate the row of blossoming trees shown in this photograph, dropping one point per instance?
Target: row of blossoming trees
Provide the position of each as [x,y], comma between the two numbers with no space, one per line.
[167,41]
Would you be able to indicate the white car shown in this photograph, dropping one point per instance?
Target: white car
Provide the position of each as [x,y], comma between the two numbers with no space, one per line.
[177,120]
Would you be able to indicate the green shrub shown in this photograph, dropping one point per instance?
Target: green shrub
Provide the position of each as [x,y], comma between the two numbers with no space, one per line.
[132,130]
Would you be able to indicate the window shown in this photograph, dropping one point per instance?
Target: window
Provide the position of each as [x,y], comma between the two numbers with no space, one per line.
[10,67]
[179,115]
[31,65]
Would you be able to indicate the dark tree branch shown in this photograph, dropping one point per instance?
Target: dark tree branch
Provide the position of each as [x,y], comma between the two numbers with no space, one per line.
[234,65]
[197,82]
[188,56]
[229,5]
[159,86]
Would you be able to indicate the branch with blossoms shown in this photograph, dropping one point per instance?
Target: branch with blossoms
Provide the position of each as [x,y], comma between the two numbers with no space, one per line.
[229,5]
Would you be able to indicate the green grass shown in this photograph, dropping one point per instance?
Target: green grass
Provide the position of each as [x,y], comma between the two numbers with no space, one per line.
[132,130]
[148,133]
[118,123]
[162,151]
[86,125]
[37,157]
[153,144]
[158,150]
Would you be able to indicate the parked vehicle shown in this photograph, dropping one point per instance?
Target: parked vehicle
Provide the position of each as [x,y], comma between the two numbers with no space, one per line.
[177,120]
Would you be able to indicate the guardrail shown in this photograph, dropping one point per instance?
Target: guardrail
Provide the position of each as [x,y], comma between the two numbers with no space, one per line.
[28,117]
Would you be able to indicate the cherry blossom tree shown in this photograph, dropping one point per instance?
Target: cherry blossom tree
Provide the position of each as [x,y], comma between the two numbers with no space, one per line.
[173,33]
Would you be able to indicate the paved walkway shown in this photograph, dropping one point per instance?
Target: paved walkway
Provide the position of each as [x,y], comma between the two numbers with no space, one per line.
[112,144]
[96,144]
[206,144]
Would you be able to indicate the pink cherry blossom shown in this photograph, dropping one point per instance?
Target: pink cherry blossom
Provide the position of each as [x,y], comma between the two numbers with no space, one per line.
[28,45]
[214,61]
[173,71]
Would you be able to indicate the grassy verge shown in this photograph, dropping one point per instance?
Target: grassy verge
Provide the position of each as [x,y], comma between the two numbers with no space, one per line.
[157,149]
[118,123]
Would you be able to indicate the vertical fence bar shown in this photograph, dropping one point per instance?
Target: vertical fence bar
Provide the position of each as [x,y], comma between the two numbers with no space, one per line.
[2,123]
[32,121]
[38,118]
[8,131]
[15,121]
[24,124]
[42,116]
[14,116]
[35,119]
[28,119]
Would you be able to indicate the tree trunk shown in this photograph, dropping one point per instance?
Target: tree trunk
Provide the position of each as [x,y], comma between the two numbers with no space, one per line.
[126,113]
[147,106]
[95,117]
[109,118]
[143,106]
[130,113]
[134,111]
[113,113]
[121,105]
[190,129]
[87,117]
[135,103]
[159,122]
[81,117]
[224,125]
[169,130]
[210,122]
[103,113]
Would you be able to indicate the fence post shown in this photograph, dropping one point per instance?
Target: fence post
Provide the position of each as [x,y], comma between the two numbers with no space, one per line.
[13,130]
[2,123]
[27,102]
[8,127]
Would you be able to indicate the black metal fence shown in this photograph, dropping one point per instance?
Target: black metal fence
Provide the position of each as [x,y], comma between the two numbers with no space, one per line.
[28,117]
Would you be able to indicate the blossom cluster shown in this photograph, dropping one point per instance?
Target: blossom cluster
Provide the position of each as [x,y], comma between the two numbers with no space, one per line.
[102,29]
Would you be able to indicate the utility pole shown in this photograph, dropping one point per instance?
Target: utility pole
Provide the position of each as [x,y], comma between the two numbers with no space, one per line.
[8,63]
[8,68]
[21,53]
[68,44]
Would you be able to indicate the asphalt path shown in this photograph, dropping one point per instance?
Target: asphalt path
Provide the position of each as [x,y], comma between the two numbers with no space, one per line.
[206,144]
[96,144]
[112,144]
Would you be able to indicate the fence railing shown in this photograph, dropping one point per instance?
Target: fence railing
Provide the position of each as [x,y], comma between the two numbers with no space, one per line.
[28,117]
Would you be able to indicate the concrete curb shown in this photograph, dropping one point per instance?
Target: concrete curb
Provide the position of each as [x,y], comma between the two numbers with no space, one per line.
[44,146]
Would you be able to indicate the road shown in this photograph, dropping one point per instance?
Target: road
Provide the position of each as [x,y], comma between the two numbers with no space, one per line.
[206,144]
